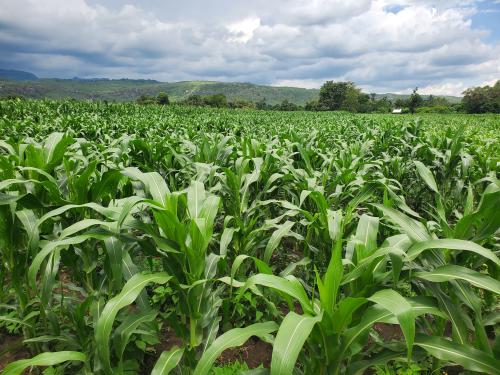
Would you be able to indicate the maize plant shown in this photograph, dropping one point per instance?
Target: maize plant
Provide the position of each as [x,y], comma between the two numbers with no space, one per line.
[150,240]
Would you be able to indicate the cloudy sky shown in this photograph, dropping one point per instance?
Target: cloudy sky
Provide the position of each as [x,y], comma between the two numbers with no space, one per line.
[441,46]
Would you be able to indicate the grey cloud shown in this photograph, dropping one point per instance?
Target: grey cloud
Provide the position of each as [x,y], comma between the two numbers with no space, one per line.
[293,40]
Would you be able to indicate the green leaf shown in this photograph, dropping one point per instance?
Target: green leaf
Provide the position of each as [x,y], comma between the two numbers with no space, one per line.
[401,309]
[426,175]
[44,359]
[128,295]
[293,332]
[127,327]
[414,229]
[329,286]
[289,285]
[29,221]
[232,338]
[360,367]
[54,147]
[454,272]
[463,355]
[451,244]
[168,361]
[275,239]
[342,316]
[153,182]
[52,246]
[366,236]
[196,196]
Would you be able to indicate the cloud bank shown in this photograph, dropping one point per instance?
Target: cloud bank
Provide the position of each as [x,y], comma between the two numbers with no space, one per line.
[382,45]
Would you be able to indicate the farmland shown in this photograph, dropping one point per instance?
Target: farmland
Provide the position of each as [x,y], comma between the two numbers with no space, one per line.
[152,240]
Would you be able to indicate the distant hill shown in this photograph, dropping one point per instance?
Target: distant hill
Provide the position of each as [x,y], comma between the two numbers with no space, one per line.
[130,89]
[17,75]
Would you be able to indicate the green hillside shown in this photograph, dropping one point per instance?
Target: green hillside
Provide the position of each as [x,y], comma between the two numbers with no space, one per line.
[128,90]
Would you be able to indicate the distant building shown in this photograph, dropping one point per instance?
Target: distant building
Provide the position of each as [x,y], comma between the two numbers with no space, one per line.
[397,111]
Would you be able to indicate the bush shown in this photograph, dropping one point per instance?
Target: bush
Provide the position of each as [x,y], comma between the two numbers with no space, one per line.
[162,98]
[436,109]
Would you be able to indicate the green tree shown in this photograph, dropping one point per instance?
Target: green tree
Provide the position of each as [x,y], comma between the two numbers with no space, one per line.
[415,100]
[145,99]
[262,104]
[216,100]
[194,100]
[364,103]
[400,103]
[339,96]
[162,98]
[287,106]
[482,99]
[312,106]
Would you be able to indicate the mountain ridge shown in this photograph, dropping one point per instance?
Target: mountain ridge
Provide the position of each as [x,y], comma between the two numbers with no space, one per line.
[126,89]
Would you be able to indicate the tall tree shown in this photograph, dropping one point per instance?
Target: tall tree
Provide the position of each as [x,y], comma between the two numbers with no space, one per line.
[482,99]
[339,95]
[162,98]
[415,100]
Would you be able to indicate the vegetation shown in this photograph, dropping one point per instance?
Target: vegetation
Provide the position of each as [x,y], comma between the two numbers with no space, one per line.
[348,242]
[482,99]
[128,90]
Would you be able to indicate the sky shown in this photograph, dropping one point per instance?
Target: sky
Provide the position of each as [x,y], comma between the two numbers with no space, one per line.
[440,46]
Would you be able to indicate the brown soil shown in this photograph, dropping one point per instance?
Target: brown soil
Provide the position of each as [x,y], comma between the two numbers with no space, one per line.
[254,353]
[388,332]
[11,349]
[168,339]
[452,370]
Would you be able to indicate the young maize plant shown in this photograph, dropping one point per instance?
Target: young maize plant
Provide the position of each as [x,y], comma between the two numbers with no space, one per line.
[144,240]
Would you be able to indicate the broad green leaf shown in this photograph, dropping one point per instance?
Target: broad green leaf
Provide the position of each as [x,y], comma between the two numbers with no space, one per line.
[293,332]
[54,245]
[168,361]
[125,330]
[401,309]
[275,239]
[342,316]
[81,225]
[426,175]
[289,285]
[366,236]
[232,338]
[451,244]
[463,355]
[414,229]
[154,183]
[360,367]
[196,196]
[454,272]
[29,221]
[128,295]
[44,359]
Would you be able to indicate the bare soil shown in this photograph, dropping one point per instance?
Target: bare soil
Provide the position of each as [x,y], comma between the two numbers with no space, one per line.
[254,353]
[11,349]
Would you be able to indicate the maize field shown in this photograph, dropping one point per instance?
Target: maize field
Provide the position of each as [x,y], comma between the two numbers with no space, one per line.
[153,240]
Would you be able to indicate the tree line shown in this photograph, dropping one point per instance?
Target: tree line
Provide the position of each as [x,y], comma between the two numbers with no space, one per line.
[346,96]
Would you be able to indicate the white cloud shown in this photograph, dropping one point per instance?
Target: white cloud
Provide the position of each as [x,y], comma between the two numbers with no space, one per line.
[444,89]
[382,45]
[243,30]
[305,83]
